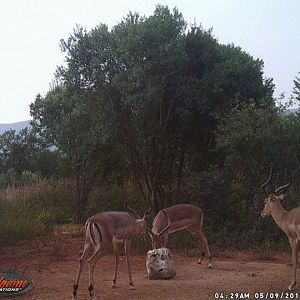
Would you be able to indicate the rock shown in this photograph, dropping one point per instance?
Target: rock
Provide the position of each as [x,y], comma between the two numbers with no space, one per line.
[159,264]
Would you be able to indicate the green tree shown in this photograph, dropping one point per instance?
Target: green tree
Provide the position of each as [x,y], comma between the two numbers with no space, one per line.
[65,118]
[17,148]
[24,152]
[171,84]
[296,89]
[250,140]
[149,90]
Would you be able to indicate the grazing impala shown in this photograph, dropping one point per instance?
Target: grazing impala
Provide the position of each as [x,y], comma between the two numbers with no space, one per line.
[102,230]
[288,221]
[176,218]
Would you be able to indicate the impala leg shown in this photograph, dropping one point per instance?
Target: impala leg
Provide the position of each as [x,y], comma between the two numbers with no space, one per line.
[98,253]
[127,254]
[201,251]
[293,244]
[197,235]
[203,241]
[86,252]
[116,265]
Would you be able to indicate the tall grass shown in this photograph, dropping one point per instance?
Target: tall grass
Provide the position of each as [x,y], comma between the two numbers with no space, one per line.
[29,211]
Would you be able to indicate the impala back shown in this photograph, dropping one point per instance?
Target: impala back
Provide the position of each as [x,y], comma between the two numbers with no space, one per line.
[115,224]
[182,216]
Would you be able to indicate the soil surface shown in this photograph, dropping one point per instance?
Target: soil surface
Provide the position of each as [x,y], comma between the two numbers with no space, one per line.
[52,262]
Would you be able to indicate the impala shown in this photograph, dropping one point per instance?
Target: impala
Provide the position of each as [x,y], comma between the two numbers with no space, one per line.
[288,221]
[176,218]
[102,230]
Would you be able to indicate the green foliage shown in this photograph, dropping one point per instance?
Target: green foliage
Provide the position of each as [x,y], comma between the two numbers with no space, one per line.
[64,117]
[23,154]
[250,139]
[16,149]
[160,113]
[146,90]
[13,179]
[254,138]
[296,89]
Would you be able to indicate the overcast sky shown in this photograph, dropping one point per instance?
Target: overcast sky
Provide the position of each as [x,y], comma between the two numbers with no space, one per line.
[30,31]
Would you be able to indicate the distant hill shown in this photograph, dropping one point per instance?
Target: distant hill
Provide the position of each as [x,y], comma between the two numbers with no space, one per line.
[14,126]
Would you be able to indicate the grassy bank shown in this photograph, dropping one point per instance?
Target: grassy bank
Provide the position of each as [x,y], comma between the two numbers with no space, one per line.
[28,212]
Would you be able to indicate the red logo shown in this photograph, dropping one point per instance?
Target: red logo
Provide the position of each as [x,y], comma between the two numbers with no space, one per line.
[13,284]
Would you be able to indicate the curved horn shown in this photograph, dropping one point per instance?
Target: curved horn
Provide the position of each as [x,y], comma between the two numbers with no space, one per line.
[150,232]
[146,214]
[283,187]
[166,227]
[263,186]
[131,210]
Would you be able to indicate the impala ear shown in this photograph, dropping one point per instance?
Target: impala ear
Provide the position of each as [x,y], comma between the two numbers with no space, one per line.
[275,197]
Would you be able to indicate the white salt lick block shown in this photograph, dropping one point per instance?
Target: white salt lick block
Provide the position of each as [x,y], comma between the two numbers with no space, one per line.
[159,264]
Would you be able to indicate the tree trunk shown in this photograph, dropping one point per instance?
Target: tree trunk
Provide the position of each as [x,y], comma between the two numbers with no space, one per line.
[83,188]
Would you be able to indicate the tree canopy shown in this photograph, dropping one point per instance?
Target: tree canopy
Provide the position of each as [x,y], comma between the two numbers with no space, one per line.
[151,90]
[162,113]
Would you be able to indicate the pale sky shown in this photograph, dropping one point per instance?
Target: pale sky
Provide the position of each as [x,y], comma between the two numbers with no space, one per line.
[30,31]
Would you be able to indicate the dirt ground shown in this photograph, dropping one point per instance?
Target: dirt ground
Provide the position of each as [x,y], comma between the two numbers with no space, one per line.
[52,265]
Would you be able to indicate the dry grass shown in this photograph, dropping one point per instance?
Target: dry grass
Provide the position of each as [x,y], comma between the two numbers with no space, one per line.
[28,211]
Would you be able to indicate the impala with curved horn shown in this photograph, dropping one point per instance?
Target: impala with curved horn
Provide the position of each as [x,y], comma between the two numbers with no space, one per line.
[176,218]
[288,221]
[108,228]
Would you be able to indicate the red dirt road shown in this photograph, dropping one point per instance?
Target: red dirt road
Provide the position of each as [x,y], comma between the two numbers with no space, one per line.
[52,265]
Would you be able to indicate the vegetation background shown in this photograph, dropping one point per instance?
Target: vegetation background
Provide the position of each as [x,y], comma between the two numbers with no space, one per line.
[159,113]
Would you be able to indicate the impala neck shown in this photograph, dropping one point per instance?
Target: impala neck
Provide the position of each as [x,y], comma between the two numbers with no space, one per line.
[278,213]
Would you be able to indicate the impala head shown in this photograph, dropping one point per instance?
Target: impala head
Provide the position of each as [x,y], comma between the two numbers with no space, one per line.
[158,239]
[270,202]
[141,228]
[273,198]
[141,223]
